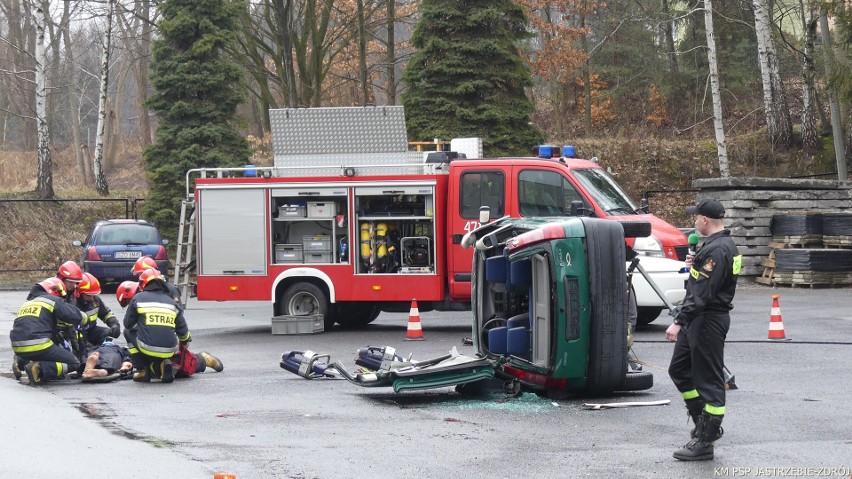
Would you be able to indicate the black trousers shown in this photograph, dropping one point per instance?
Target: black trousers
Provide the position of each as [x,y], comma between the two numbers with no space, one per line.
[698,360]
[55,361]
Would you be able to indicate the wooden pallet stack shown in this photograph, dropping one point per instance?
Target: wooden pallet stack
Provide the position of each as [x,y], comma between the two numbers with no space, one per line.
[810,258]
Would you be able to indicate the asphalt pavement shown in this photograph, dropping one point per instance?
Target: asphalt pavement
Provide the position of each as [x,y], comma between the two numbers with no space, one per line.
[789,417]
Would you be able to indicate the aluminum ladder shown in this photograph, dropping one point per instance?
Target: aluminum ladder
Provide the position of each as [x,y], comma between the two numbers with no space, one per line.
[185,264]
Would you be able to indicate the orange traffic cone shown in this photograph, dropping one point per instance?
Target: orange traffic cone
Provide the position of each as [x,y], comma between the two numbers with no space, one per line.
[415,331]
[776,325]
[224,475]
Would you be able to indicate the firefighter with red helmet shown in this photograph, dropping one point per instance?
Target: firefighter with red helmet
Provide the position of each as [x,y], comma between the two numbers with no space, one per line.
[71,275]
[93,306]
[154,327]
[186,363]
[36,334]
[147,262]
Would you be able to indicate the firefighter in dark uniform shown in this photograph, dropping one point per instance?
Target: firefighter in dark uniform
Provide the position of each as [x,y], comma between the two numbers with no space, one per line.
[37,333]
[154,328]
[93,306]
[700,326]
[71,275]
[183,359]
[147,262]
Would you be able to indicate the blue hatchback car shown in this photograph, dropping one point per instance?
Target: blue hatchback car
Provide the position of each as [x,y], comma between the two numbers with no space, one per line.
[113,246]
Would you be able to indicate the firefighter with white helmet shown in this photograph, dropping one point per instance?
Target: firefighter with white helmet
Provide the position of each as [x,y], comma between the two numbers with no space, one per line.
[36,333]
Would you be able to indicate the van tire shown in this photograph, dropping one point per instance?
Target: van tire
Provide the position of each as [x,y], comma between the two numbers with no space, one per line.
[607,364]
[638,381]
[636,229]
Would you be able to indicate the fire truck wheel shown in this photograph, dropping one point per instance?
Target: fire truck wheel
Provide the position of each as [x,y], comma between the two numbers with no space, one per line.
[357,315]
[304,299]
[608,322]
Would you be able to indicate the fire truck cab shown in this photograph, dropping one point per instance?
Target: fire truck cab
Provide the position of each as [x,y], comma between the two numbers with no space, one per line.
[371,227]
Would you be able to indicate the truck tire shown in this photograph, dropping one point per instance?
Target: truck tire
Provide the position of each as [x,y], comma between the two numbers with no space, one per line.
[638,381]
[305,299]
[357,315]
[636,229]
[607,364]
[647,314]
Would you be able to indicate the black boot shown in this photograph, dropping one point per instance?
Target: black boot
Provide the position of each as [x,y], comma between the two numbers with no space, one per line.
[701,448]
[694,407]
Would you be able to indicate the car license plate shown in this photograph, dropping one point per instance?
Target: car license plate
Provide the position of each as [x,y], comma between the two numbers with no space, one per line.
[128,254]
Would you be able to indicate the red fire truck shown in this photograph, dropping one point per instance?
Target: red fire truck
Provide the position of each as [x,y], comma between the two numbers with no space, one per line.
[349,231]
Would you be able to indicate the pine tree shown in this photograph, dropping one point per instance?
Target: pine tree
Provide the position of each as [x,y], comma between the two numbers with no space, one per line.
[467,77]
[197,90]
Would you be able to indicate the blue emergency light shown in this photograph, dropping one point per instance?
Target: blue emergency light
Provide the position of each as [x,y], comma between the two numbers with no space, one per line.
[550,151]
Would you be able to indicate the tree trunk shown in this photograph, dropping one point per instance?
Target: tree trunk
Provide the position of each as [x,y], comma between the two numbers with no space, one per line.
[362,55]
[391,53]
[141,63]
[100,180]
[70,84]
[44,186]
[833,103]
[810,136]
[778,122]
[671,54]
[719,127]
[113,129]
[587,82]
[761,24]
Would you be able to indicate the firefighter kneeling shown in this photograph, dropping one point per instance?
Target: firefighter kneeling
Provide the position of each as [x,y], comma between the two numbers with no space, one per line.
[156,332]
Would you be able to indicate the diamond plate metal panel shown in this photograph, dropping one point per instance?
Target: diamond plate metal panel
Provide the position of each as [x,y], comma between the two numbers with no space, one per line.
[405,163]
[347,130]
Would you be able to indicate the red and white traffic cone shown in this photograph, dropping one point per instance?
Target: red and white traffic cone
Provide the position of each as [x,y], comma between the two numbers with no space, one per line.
[776,324]
[415,331]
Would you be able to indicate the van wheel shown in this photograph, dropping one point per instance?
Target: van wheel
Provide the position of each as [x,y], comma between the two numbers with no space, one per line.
[608,291]
[638,381]
[305,299]
[357,315]
[647,314]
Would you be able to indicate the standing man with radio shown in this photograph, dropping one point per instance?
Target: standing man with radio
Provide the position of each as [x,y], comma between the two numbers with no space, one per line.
[700,327]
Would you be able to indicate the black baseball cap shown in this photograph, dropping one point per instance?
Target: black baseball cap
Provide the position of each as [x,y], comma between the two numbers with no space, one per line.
[707,207]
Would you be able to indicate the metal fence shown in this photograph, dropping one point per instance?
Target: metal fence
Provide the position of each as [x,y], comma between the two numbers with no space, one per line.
[37,233]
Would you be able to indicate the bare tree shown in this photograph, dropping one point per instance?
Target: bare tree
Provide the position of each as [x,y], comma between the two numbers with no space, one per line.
[778,122]
[390,58]
[44,185]
[71,97]
[810,136]
[719,127]
[100,179]
[833,103]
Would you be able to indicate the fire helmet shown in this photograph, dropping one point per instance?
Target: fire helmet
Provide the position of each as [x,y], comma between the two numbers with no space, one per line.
[54,286]
[89,285]
[70,271]
[143,263]
[149,275]
[125,292]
